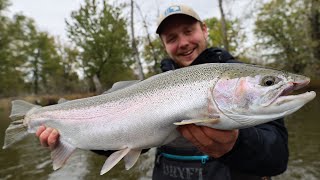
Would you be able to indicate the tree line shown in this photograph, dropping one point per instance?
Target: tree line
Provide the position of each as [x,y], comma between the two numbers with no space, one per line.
[102,50]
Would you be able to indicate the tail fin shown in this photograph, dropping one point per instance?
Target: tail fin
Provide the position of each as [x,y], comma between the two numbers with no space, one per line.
[17,130]
[20,109]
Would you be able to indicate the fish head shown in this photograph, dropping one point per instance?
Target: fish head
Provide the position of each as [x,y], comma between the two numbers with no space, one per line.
[256,95]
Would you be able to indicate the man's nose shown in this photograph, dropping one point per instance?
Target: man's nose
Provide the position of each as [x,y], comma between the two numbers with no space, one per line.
[183,42]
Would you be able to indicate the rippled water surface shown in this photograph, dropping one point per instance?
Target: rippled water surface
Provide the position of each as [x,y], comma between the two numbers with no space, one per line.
[28,160]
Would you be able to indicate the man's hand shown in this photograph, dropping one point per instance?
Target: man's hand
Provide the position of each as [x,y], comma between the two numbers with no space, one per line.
[212,142]
[48,137]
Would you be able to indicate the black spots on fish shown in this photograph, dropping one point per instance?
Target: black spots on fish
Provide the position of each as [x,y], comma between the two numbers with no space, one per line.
[232,74]
[286,73]
[229,74]
[175,81]
[269,80]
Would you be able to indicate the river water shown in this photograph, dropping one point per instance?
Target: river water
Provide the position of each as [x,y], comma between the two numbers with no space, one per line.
[28,160]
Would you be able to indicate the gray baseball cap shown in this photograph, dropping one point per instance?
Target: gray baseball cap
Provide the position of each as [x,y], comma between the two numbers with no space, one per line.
[176,9]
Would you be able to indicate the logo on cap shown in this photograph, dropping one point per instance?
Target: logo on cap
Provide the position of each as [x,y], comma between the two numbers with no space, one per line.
[172,9]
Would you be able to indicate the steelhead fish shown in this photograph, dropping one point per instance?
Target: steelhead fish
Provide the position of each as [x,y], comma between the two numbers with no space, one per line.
[135,116]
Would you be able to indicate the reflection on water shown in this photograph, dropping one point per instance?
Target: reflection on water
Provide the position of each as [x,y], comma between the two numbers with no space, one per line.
[28,160]
[76,168]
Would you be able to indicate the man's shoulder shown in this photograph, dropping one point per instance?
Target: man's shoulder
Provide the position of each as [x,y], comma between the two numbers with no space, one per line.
[220,55]
[214,55]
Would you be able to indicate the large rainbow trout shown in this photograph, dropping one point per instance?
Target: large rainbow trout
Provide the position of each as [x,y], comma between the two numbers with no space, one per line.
[131,117]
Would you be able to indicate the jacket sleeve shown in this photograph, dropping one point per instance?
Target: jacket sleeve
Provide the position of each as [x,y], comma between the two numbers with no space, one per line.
[261,150]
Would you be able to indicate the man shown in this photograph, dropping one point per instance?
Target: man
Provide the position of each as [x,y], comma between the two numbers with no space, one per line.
[202,152]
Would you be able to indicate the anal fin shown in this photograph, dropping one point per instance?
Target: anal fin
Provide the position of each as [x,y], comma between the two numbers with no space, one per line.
[195,121]
[131,158]
[113,159]
[61,153]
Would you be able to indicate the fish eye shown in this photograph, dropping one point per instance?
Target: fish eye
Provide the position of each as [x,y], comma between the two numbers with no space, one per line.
[269,81]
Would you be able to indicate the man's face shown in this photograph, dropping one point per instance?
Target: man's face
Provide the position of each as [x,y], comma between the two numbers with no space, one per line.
[184,38]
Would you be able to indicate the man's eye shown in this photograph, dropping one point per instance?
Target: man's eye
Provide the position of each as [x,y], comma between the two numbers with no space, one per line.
[189,31]
[170,40]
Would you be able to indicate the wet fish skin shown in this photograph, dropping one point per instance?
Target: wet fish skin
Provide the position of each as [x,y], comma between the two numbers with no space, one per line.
[142,115]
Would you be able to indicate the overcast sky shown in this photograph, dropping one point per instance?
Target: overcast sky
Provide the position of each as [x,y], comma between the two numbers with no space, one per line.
[50,15]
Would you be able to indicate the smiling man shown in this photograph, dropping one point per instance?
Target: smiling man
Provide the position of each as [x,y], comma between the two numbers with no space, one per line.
[184,38]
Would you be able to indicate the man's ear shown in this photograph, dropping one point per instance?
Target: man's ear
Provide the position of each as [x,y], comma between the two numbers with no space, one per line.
[205,29]
[163,45]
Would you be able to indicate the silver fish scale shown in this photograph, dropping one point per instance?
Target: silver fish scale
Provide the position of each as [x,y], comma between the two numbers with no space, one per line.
[134,104]
[164,81]
[171,97]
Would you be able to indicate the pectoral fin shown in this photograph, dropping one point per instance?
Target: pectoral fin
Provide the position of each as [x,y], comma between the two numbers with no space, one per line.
[113,159]
[195,121]
[131,158]
[61,153]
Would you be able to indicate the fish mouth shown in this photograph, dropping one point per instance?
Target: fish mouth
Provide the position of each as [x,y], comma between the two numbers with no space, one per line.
[294,86]
[296,100]
[290,87]
[285,96]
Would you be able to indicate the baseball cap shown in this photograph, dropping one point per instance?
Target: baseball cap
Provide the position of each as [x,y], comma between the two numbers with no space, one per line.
[176,9]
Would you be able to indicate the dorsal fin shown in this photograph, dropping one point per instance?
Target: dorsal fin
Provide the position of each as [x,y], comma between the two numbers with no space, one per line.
[121,85]
[62,100]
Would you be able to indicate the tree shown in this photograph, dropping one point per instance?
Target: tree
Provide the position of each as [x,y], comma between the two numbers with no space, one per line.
[150,50]
[3,5]
[154,50]
[11,41]
[134,43]
[288,31]
[314,18]
[234,34]
[51,72]
[10,79]
[30,61]
[38,55]
[69,60]
[224,27]
[103,42]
